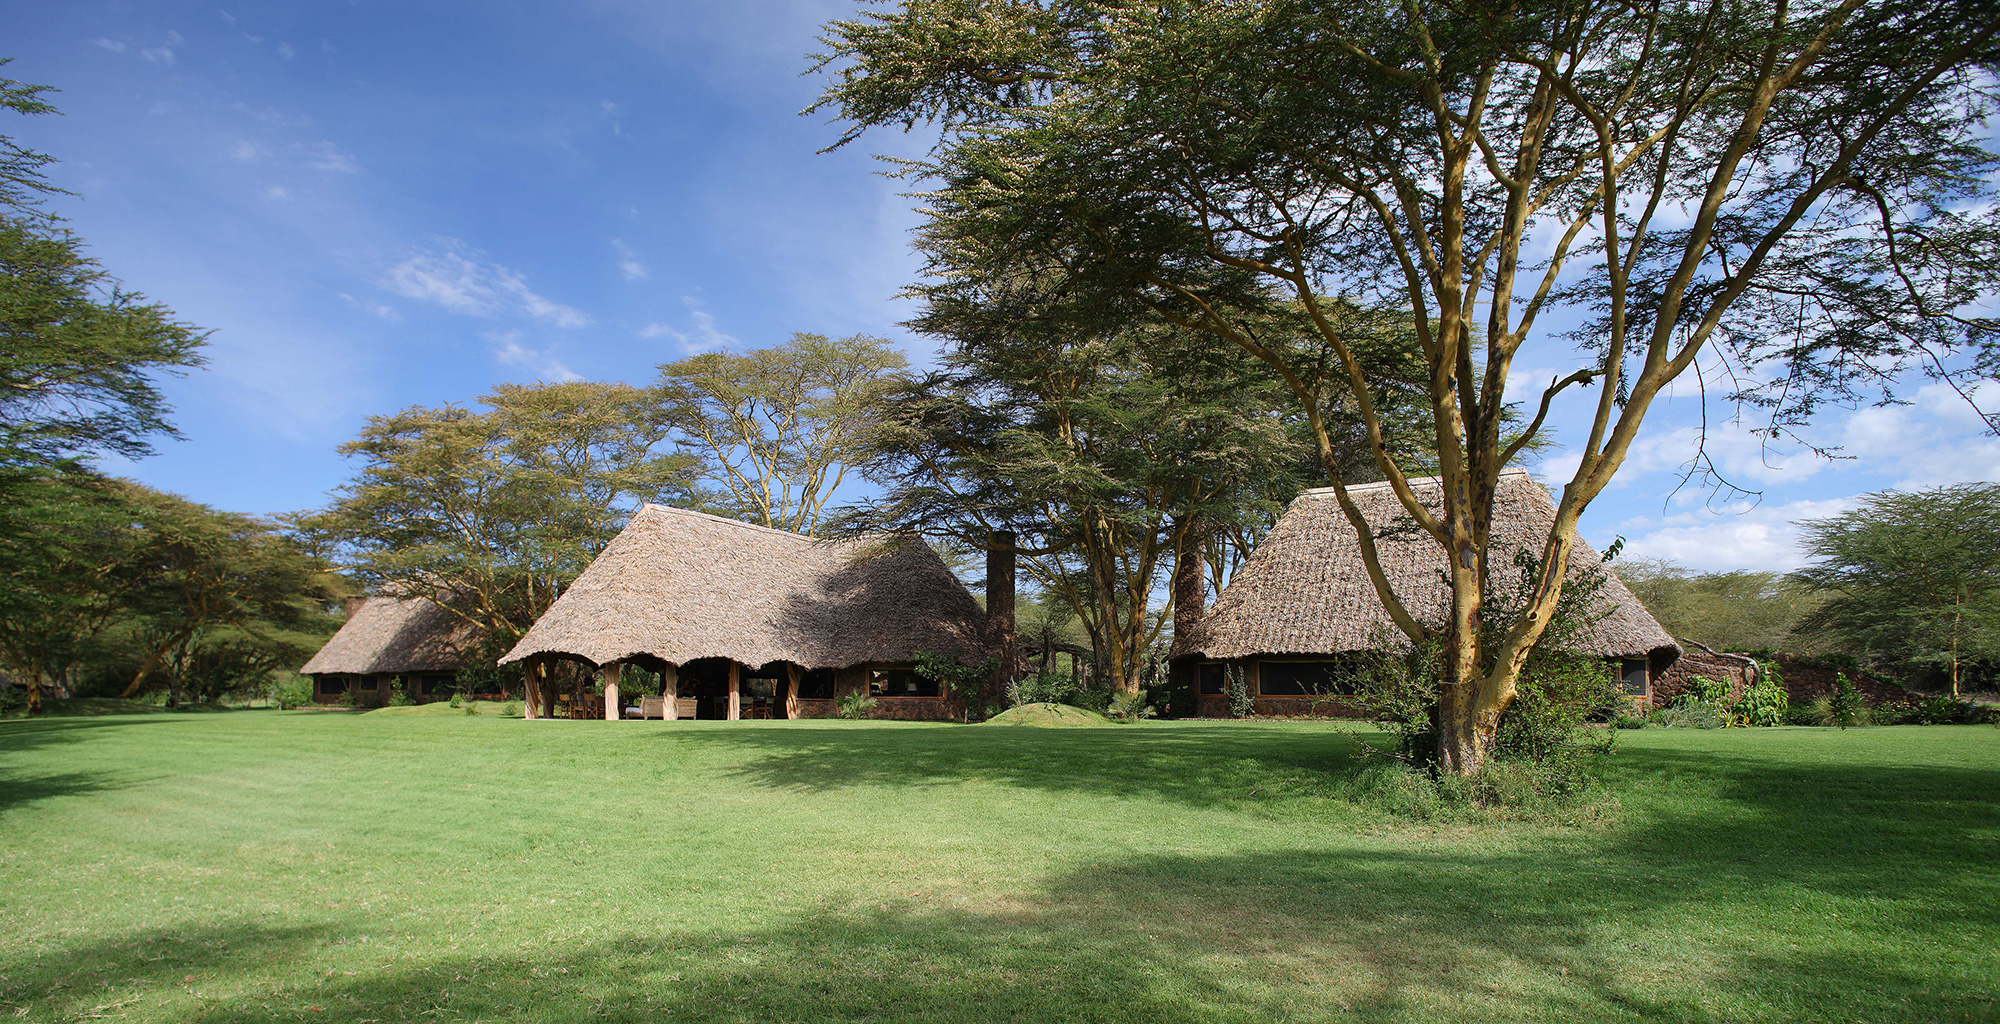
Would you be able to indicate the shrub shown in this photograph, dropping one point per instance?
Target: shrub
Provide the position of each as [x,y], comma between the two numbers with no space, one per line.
[1845,705]
[854,705]
[965,683]
[1896,712]
[346,698]
[511,709]
[1944,709]
[469,707]
[1130,707]
[295,692]
[398,698]
[1763,703]
[13,700]
[1691,714]
[457,700]
[1241,704]
[1705,690]
[1629,722]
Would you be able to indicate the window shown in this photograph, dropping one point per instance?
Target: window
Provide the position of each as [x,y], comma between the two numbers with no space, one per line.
[900,682]
[761,687]
[1211,680]
[1304,678]
[1632,677]
[330,685]
[816,684]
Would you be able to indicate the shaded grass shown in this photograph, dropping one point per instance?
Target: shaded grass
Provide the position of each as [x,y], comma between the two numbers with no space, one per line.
[299,866]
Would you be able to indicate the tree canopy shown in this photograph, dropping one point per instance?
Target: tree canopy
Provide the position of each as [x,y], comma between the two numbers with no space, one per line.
[1912,578]
[1802,186]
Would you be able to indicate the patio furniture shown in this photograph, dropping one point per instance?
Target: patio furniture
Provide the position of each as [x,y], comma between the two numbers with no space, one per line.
[652,707]
[684,707]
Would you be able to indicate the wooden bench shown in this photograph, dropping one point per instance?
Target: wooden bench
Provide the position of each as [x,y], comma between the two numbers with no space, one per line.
[684,707]
[652,707]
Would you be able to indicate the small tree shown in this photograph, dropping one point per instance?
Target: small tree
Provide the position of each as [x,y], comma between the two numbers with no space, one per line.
[1911,578]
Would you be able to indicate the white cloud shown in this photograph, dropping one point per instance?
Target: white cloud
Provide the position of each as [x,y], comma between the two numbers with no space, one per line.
[660,330]
[628,261]
[473,288]
[705,334]
[113,45]
[285,50]
[1741,457]
[164,53]
[507,348]
[1937,439]
[323,156]
[1741,536]
[277,193]
[246,150]
[385,312]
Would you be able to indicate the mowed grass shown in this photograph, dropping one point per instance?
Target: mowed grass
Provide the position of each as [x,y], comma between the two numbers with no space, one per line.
[311,866]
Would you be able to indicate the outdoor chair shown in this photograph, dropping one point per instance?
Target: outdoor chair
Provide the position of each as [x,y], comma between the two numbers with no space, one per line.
[652,707]
[684,707]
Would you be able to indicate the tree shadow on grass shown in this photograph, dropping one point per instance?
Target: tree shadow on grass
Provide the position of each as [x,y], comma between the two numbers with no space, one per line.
[1269,935]
[1193,765]
[18,789]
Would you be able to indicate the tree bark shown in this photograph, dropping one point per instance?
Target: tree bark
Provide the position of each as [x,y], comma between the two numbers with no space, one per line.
[609,673]
[735,691]
[670,689]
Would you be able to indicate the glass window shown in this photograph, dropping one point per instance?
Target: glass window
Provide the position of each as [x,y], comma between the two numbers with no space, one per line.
[816,684]
[1632,677]
[1212,679]
[899,682]
[1303,678]
[331,684]
[757,686]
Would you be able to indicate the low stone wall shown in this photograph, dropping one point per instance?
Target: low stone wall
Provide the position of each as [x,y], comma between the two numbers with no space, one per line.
[1697,662]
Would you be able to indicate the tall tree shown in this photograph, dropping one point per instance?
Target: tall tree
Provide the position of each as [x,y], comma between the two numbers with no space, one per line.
[779,428]
[1912,578]
[1113,458]
[1803,185]
[197,572]
[68,541]
[490,513]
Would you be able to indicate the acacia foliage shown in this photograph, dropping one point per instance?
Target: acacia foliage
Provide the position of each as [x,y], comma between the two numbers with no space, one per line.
[1739,610]
[1911,579]
[491,511]
[1804,185]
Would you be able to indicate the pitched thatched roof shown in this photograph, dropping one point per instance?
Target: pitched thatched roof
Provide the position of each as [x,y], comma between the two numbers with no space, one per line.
[680,585]
[396,634]
[1305,590]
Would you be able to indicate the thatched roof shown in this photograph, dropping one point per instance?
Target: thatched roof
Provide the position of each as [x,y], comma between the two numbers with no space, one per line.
[1305,590]
[396,634]
[679,585]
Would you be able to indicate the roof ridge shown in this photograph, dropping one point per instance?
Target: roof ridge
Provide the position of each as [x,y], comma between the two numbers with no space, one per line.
[1415,481]
[726,521]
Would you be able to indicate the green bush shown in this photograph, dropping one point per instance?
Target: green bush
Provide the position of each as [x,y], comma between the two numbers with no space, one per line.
[1845,705]
[1130,707]
[854,705]
[1895,712]
[511,709]
[397,697]
[469,707]
[965,683]
[1691,714]
[1945,709]
[1763,703]
[1241,703]
[1705,690]
[295,692]
[1629,722]
[457,700]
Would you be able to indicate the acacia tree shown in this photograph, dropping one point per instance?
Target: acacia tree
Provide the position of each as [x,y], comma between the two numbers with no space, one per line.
[1802,186]
[1109,457]
[1911,578]
[490,513]
[779,428]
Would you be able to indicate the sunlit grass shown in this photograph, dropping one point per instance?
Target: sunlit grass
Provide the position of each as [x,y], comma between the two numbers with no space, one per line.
[263,865]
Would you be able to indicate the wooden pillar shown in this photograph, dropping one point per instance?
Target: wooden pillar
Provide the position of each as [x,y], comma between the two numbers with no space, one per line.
[735,691]
[531,687]
[792,691]
[609,672]
[546,668]
[670,688]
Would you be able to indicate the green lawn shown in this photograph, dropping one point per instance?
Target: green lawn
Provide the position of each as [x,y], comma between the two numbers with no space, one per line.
[315,866]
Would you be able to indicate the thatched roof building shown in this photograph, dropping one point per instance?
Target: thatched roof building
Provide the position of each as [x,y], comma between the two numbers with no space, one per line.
[392,637]
[1304,593]
[679,587]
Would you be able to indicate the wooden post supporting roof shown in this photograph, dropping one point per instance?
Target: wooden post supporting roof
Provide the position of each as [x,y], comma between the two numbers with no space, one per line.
[792,690]
[670,688]
[532,687]
[609,672]
[735,691]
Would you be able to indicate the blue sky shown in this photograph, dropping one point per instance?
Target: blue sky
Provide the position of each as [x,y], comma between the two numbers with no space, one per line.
[374,206]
